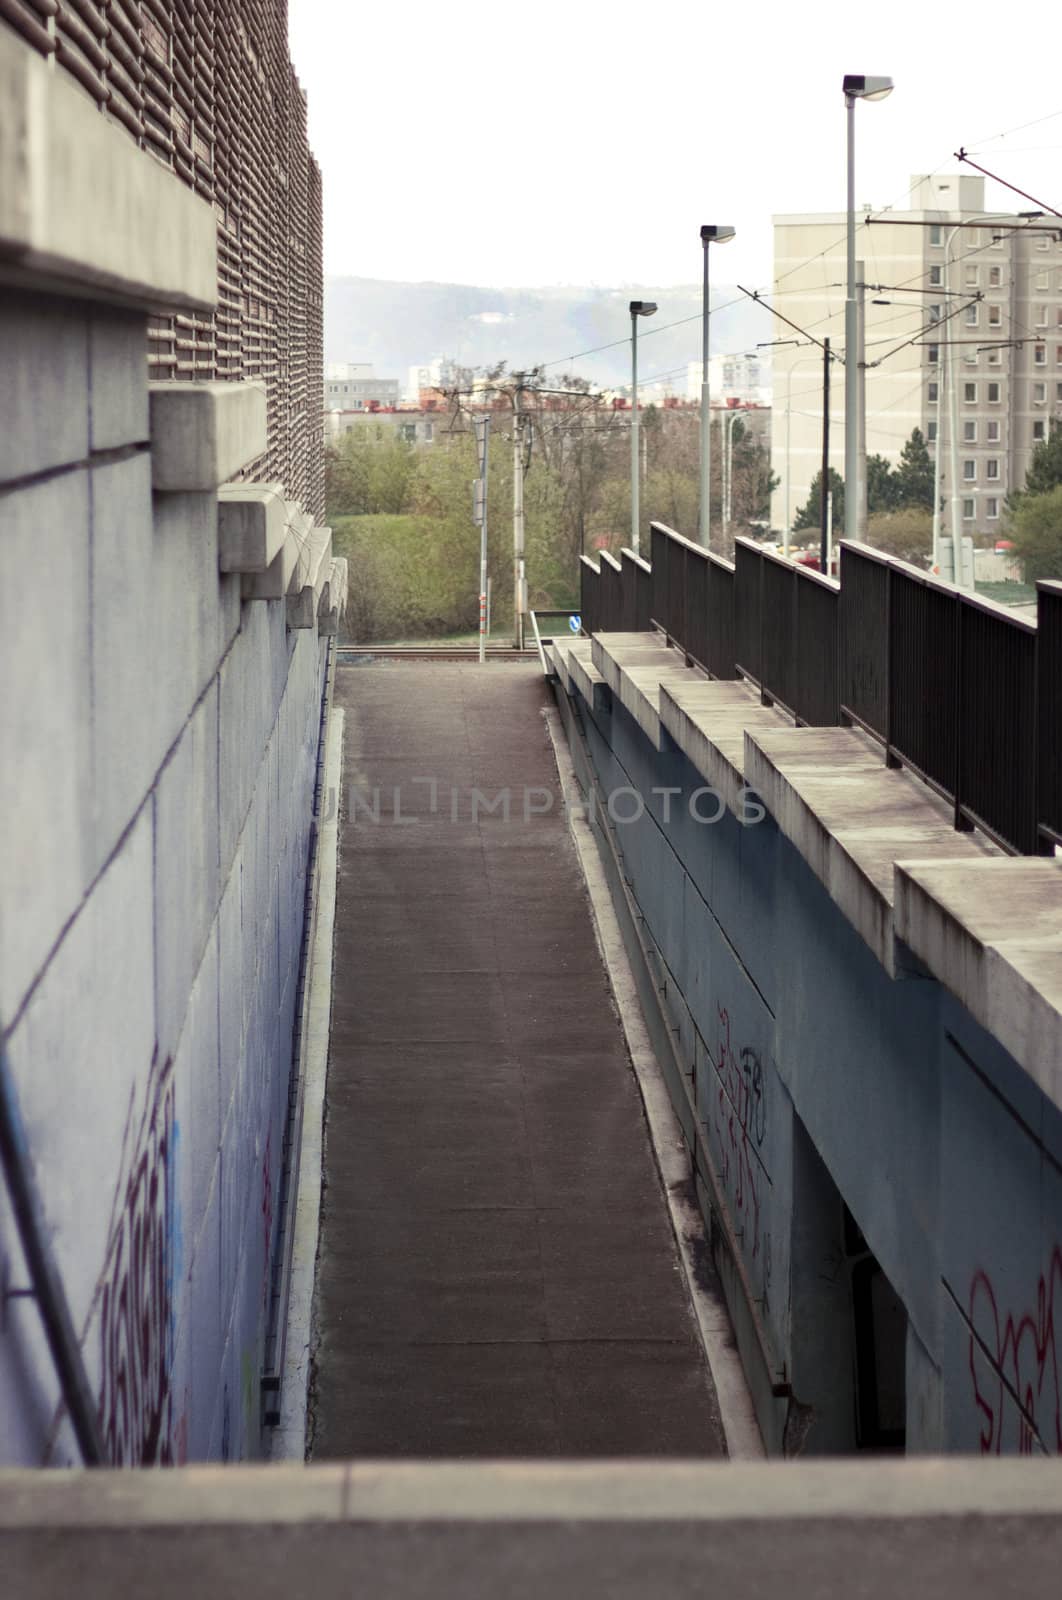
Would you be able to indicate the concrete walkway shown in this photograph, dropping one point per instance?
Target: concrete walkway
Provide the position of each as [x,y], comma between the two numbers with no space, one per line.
[497,1274]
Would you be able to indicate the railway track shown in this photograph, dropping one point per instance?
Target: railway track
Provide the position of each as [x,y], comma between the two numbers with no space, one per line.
[351,654]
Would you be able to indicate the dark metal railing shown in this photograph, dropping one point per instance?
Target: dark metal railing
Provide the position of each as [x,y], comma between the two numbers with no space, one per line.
[955,687]
[1049,712]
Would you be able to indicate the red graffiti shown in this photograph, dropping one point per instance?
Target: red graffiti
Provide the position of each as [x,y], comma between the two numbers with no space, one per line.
[740,1123]
[1024,1361]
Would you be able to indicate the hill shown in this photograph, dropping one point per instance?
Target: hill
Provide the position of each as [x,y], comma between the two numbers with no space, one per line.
[397,325]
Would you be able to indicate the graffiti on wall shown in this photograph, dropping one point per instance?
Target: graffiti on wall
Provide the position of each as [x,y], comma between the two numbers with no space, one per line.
[137,1295]
[740,1119]
[1021,1345]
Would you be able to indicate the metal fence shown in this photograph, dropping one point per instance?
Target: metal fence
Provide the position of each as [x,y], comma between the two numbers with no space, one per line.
[207,89]
[957,688]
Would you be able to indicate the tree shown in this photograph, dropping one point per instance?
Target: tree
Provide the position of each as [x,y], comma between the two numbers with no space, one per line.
[906,532]
[1044,471]
[883,487]
[810,513]
[1036,529]
[916,475]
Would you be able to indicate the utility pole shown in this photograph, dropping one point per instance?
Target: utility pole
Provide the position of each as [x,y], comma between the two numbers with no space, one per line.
[519,578]
[479,516]
[861,356]
[824,548]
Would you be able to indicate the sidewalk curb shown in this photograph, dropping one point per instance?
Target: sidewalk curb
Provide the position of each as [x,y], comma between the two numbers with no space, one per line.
[288,1441]
[744,1441]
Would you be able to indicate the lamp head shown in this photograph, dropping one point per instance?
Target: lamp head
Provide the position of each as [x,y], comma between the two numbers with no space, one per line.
[642,308]
[857,86]
[717,233]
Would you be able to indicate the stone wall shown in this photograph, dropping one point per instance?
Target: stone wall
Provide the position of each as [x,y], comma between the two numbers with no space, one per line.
[865,1129]
[163,648]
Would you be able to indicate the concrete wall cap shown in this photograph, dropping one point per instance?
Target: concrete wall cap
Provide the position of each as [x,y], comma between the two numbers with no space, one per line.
[309,577]
[82,209]
[252,524]
[204,433]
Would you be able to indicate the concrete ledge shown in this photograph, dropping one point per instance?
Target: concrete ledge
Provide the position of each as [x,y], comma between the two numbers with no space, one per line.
[333,601]
[991,933]
[584,678]
[852,819]
[548,1491]
[708,721]
[203,433]
[81,208]
[309,578]
[635,666]
[252,522]
[275,581]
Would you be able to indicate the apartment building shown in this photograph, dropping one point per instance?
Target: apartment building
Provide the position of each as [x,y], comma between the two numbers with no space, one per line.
[353,386]
[962,316]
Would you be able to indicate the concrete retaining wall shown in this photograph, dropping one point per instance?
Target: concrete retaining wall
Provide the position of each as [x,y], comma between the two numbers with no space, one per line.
[157,752]
[849,1113]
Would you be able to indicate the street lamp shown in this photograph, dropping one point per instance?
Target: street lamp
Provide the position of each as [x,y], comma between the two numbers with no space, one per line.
[638,308]
[715,234]
[856,87]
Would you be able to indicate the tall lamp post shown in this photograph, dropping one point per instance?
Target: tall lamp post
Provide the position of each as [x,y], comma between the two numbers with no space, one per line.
[856,87]
[638,308]
[710,234]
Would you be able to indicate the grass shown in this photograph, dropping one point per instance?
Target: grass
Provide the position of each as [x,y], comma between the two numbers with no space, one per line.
[1008,593]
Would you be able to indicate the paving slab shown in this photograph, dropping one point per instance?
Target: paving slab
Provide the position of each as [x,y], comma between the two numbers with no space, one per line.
[497,1272]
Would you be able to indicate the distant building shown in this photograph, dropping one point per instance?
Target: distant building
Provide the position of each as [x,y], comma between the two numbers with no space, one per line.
[997,293]
[429,379]
[353,386]
[410,423]
[740,378]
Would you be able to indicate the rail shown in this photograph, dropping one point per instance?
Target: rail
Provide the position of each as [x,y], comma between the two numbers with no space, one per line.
[953,686]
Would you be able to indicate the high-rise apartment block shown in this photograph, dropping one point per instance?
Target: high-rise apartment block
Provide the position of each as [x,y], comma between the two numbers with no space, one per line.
[963,319]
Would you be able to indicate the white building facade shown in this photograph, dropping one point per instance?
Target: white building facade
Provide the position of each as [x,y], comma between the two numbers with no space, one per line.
[963,319]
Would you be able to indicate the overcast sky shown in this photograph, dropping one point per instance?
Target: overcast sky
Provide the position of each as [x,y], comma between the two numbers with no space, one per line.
[584,142]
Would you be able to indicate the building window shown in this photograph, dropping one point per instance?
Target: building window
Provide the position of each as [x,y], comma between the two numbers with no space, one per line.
[1041,316]
[992,430]
[991,508]
[973,316]
[1043,278]
[935,313]
[969,394]
[969,432]
[969,356]
[1039,431]
[993,394]
[429,432]
[995,316]
[931,432]
[973,277]
[936,277]
[936,234]
[934,354]
[1058,355]
[1043,242]
[992,469]
[995,357]
[1039,394]
[995,277]
[969,470]
[968,510]
[933,392]
[1040,355]
[1058,393]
